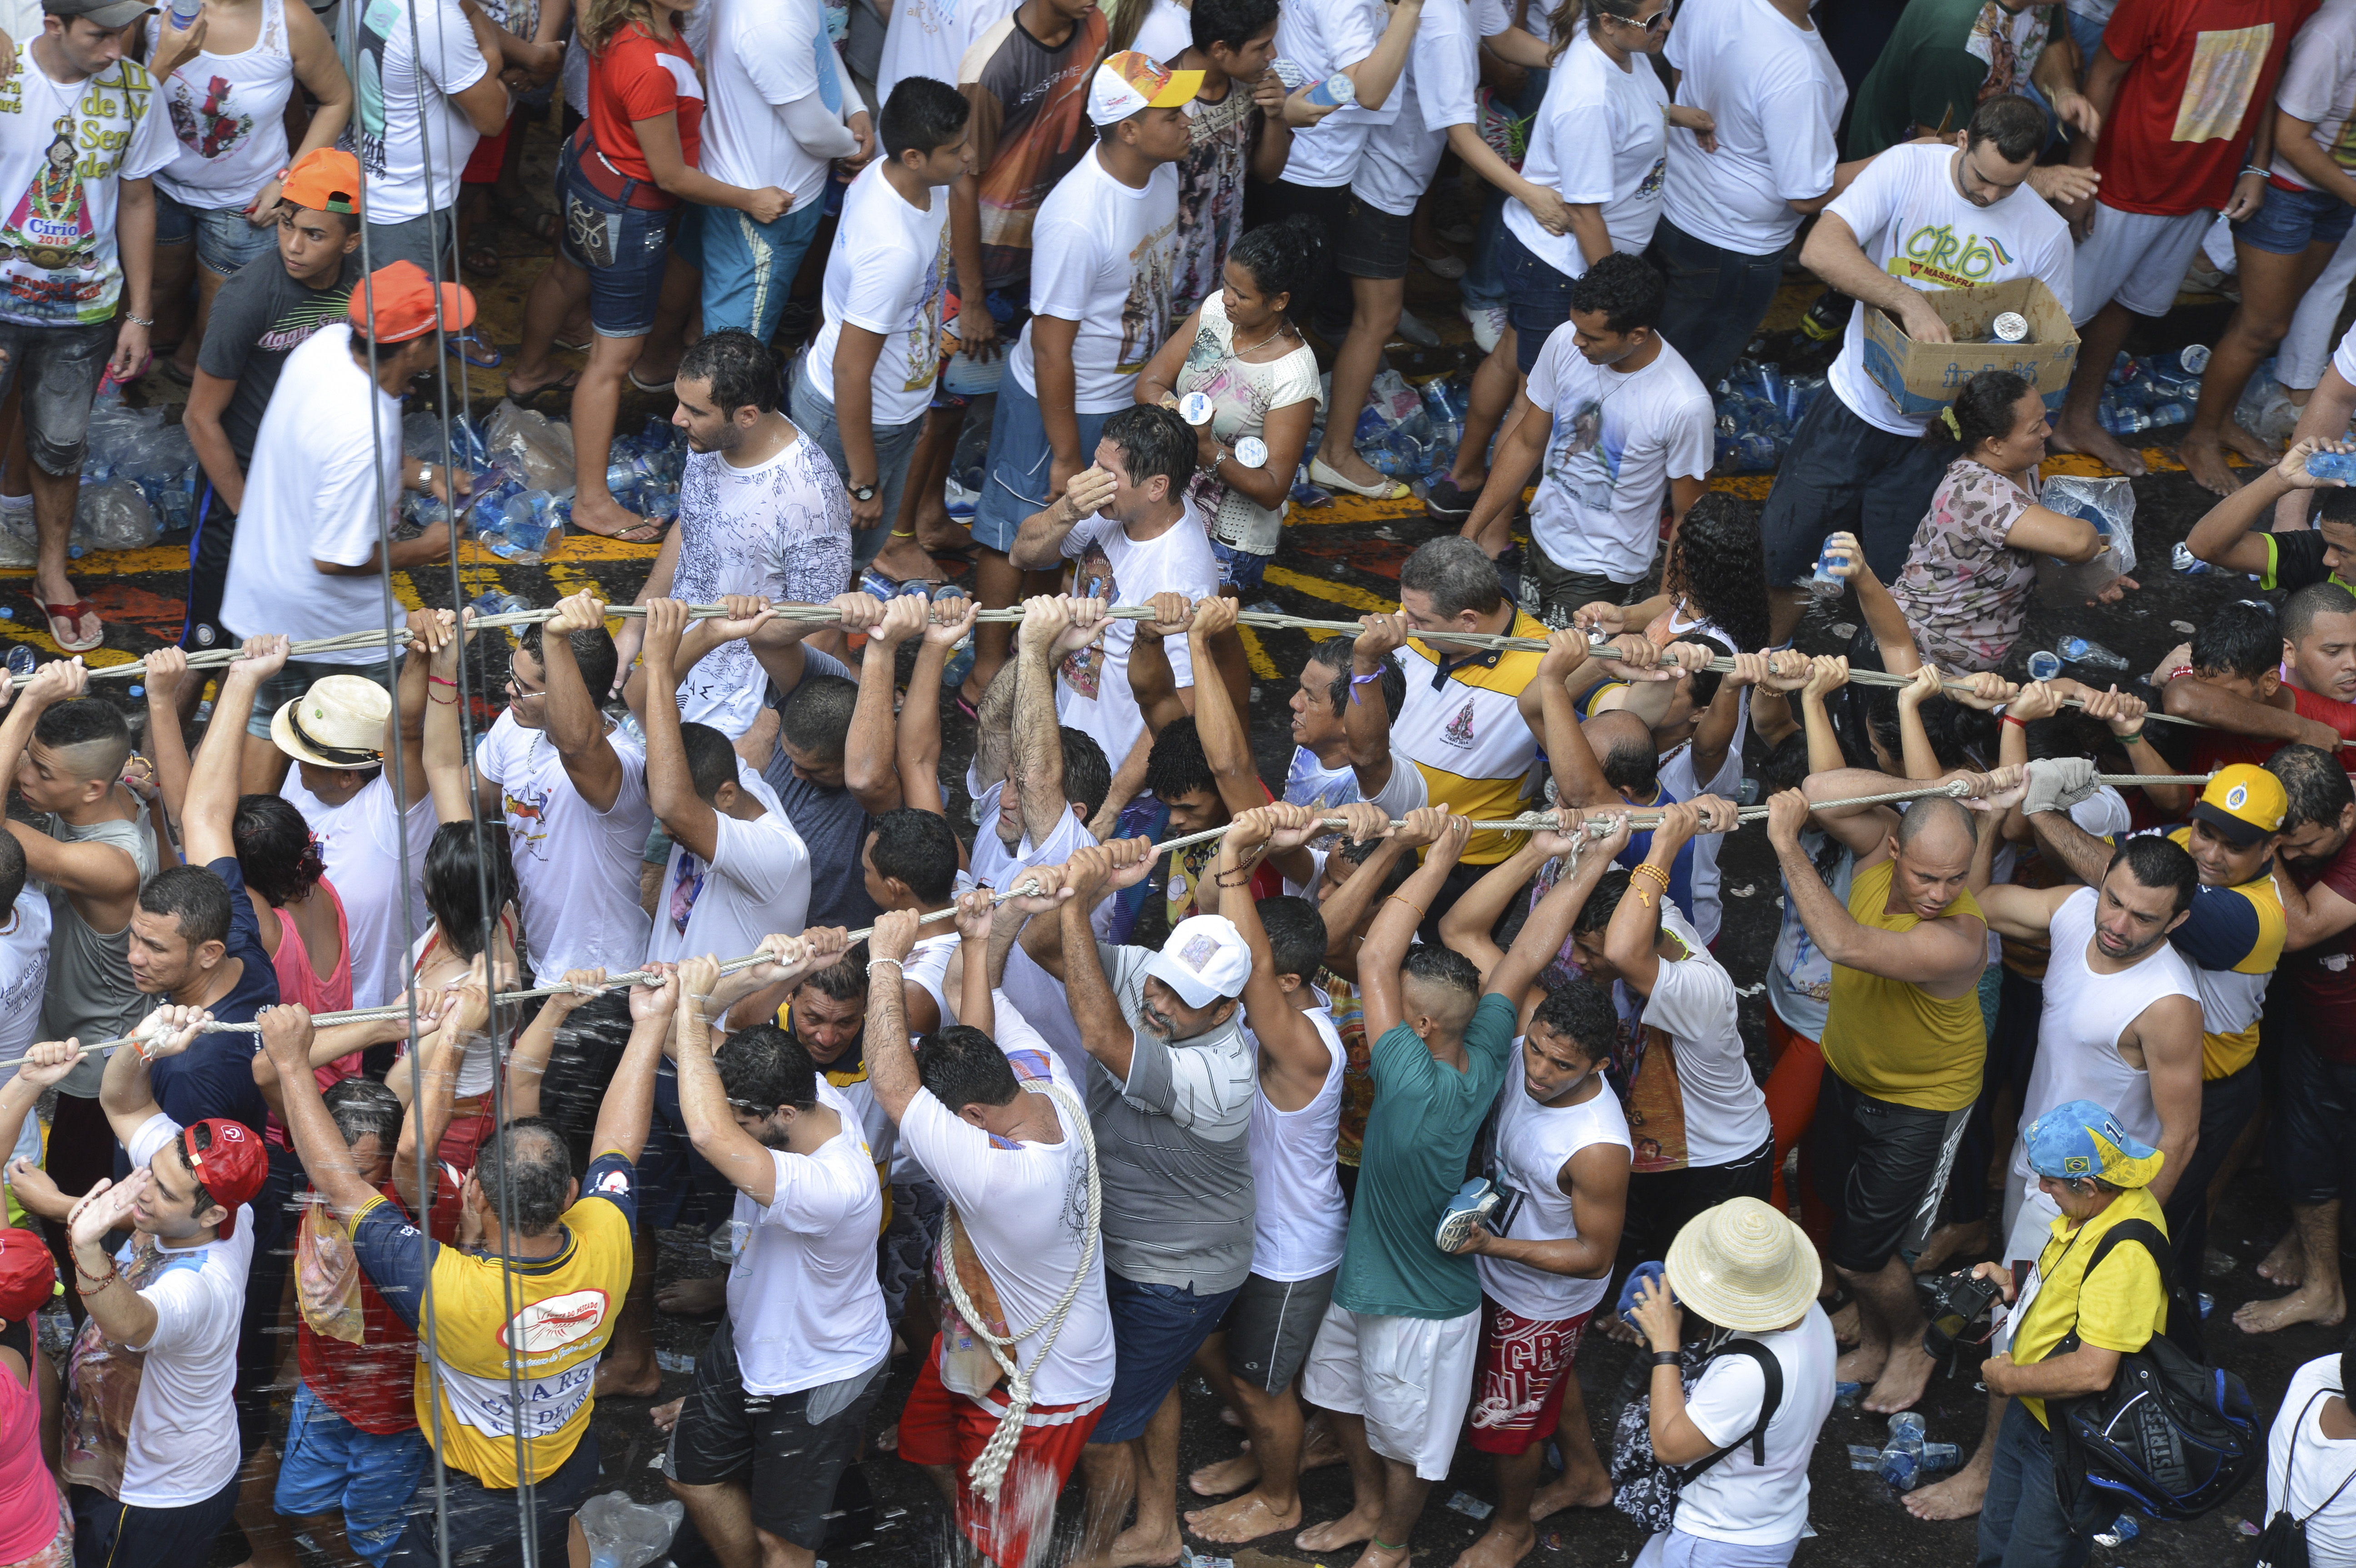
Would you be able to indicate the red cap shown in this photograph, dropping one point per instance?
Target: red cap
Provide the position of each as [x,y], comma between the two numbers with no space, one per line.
[231,1164]
[400,299]
[29,1276]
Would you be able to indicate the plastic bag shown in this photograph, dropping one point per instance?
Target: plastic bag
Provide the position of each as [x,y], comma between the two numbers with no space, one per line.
[624,1534]
[529,440]
[2109,505]
[114,516]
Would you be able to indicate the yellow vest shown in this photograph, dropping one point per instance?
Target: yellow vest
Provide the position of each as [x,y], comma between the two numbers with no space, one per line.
[1890,1038]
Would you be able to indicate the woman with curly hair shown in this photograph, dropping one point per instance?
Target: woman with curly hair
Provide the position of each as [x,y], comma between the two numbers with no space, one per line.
[1713,583]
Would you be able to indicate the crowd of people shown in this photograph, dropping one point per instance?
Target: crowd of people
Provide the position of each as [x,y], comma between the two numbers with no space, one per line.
[1416,1062]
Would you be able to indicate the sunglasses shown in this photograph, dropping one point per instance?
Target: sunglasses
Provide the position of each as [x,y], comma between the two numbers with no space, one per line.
[1657,23]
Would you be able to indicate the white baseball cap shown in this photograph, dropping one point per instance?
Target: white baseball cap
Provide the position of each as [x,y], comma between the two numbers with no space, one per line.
[1204,959]
[1130,82]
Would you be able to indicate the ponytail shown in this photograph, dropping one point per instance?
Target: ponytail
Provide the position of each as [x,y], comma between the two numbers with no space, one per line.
[1982,412]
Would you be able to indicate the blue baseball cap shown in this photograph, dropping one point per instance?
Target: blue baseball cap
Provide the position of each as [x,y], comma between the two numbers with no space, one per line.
[2081,1139]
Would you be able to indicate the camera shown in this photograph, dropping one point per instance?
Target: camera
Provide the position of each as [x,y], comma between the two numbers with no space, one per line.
[1957,1304]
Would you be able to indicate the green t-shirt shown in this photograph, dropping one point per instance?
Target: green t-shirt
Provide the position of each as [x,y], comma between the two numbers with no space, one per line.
[1419,1136]
[1942,58]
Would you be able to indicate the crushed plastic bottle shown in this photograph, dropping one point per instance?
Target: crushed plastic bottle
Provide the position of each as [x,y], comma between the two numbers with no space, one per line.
[2332,465]
[22,660]
[497,604]
[2080,650]
[2186,562]
[2045,666]
[624,1534]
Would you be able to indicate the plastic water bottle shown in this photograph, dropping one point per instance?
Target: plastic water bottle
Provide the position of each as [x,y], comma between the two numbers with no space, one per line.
[2332,466]
[22,660]
[2079,650]
[1292,75]
[2045,666]
[1196,408]
[1823,572]
[497,604]
[1941,1456]
[2121,421]
[2194,358]
[2010,328]
[184,13]
[1336,92]
[2186,562]
[529,533]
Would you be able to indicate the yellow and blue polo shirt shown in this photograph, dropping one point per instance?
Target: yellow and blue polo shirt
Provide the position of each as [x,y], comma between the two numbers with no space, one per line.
[2232,938]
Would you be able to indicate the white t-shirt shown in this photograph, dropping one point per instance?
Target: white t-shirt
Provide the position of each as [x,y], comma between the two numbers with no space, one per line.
[1534,1142]
[758,882]
[1677,778]
[1024,1208]
[1436,90]
[2319,84]
[1906,203]
[996,867]
[1308,782]
[1322,39]
[768,54]
[576,867]
[1104,255]
[802,1296]
[928,38]
[780,529]
[66,147]
[1167,32]
[361,842]
[1092,686]
[1618,438]
[1693,1002]
[2299,1479]
[1776,95]
[886,274]
[23,972]
[1600,137]
[326,457]
[1755,1505]
[384,132]
[182,1446]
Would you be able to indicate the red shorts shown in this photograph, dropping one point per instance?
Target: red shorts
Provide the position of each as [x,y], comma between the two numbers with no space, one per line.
[1519,1385]
[483,164]
[938,1427]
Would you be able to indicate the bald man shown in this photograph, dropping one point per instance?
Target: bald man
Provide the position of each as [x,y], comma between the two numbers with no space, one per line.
[1903,1046]
[1623,745]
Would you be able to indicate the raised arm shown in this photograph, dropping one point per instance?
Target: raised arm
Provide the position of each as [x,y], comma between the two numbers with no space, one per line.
[890,1066]
[1385,949]
[870,755]
[1578,776]
[2231,534]
[1152,679]
[1875,606]
[326,1159]
[1944,957]
[166,747]
[575,725]
[449,776]
[1826,675]
[1226,746]
[1105,1029]
[629,1102]
[1366,720]
[1549,927]
[429,632]
[691,820]
[126,1092]
[97,874]
[919,735]
[2056,784]
[704,1104]
[434,1088]
[1062,624]
[206,823]
[1632,939]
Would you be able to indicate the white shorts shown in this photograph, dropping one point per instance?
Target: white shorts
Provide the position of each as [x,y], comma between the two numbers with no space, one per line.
[2135,258]
[1411,1378]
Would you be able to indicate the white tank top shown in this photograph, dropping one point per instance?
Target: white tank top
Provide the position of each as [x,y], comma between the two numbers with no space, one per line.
[1534,1142]
[2077,1035]
[228,113]
[928,966]
[1300,1222]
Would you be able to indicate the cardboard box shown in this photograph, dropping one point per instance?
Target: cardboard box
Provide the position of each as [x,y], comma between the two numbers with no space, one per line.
[1923,378]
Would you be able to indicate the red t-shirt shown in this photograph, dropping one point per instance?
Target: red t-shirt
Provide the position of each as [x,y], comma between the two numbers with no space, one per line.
[373,1384]
[2212,749]
[2323,977]
[638,77]
[2200,72]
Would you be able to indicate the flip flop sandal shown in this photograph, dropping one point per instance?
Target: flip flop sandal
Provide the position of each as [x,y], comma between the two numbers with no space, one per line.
[563,383]
[580,347]
[70,617]
[477,354]
[483,261]
[648,386]
[644,534]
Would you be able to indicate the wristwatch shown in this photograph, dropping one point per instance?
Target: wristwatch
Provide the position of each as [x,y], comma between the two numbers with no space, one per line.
[863,492]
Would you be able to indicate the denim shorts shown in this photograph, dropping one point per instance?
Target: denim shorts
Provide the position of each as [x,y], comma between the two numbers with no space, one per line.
[624,250]
[1239,569]
[332,1467]
[61,368]
[1538,297]
[1014,481]
[2291,220]
[225,241]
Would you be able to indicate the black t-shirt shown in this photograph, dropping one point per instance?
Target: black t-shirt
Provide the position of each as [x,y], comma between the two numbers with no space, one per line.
[260,315]
[214,1077]
[2295,561]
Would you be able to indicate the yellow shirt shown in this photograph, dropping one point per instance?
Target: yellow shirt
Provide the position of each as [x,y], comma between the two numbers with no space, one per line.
[1890,1038]
[1464,731]
[2232,937]
[2125,1306]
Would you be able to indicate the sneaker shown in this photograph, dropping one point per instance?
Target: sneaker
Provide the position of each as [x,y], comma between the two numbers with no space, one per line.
[1474,1203]
[17,551]
[1417,332]
[1444,502]
[1488,324]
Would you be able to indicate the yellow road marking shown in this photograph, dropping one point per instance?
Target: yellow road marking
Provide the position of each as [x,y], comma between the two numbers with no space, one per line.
[1257,655]
[1348,594]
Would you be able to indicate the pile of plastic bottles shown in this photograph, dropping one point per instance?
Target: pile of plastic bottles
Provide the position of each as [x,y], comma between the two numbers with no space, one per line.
[1907,1457]
[2155,392]
[2266,408]
[517,522]
[1758,407]
[1407,432]
[139,479]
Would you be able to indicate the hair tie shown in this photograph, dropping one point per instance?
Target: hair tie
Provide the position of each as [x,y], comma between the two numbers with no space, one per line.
[1954,429]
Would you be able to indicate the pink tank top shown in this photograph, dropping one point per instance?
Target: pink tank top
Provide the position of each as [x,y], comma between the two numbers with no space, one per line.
[299,983]
[28,1496]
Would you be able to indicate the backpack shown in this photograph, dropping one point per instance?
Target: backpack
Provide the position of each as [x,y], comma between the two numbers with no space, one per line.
[2172,1436]
[2284,1544]
[1646,1489]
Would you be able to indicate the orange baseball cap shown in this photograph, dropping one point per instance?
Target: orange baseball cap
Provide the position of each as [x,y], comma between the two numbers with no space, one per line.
[397,301]
[324,180]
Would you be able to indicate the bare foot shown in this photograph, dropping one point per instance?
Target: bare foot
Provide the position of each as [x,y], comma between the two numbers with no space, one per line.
[888,1440]
[941,535]
[1353,467]
[616,1381]
[1381,1557]
[1568,1491]
[2312,1303]
[1903,1379]
[2205,457]
[1860,1365]
[1845,1331]
[1957,1496]
[1246,1518]
[1503,1546]
[1228,1476]
[666,1416]
[693,1298]
[904,561]
[1960,1241]
[2072,434]
[1320,1449]
[1352,1528]
[2241,438]
[2286,1265]
[1129,1548]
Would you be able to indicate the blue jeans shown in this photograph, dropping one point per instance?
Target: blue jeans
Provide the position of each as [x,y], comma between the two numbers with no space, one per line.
[332,1467]
[624,248]
[1483,283]
[894,447]
[2021,1523]
[1716,298]
[749,267]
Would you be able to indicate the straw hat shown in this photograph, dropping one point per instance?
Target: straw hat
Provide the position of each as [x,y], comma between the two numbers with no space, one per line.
[1743,1266]
[338,722]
